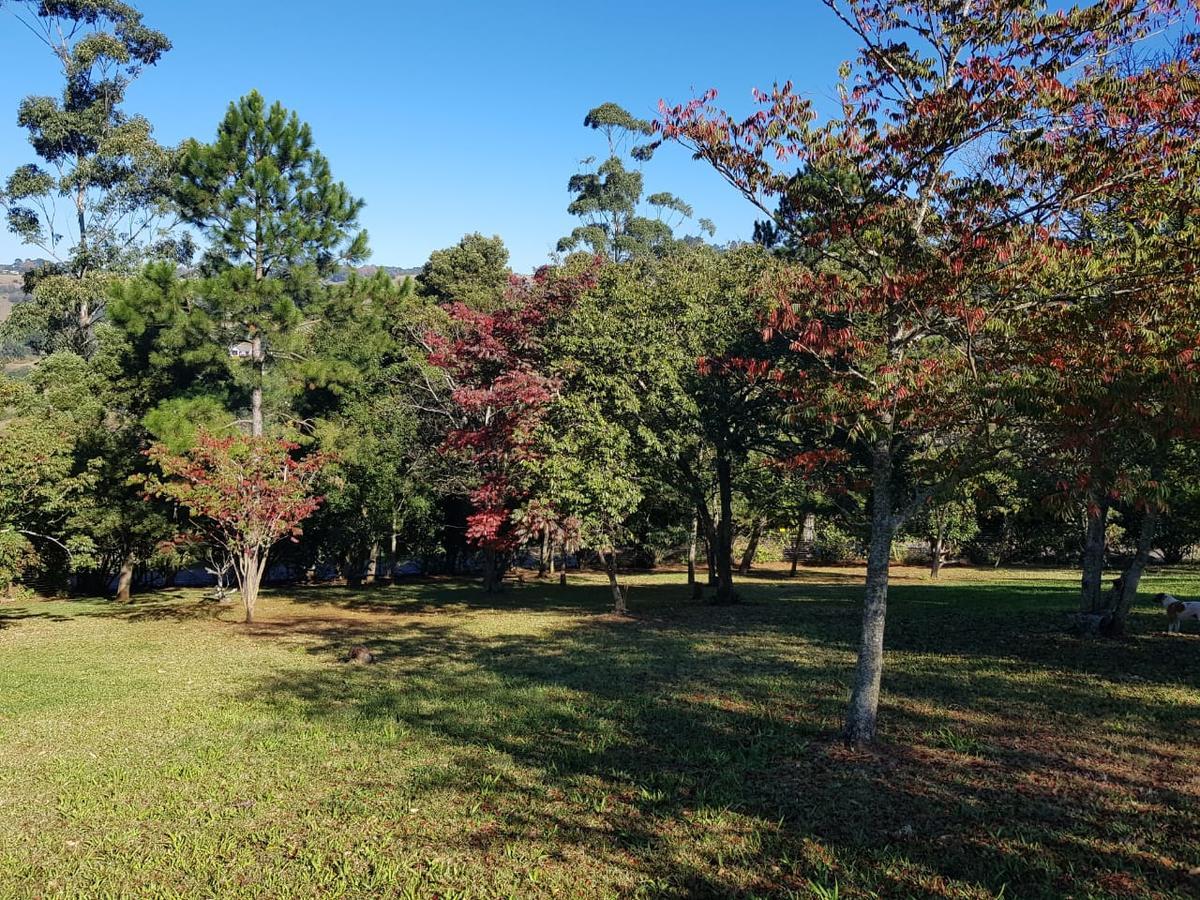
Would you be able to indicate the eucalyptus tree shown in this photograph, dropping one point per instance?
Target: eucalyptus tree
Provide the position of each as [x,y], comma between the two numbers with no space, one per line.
[98,196]
[610,199]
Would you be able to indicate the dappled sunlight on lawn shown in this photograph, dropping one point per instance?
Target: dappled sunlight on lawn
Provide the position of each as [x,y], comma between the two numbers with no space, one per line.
[530,743]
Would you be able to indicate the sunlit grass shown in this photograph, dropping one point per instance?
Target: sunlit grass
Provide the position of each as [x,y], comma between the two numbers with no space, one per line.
[533,745]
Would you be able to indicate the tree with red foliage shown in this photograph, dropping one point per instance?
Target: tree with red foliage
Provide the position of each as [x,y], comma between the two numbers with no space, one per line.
[1117,369]
[244,494]
[503,388]
[920,215]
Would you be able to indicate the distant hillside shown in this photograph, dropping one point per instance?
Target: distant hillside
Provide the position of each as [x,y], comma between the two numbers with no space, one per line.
[21,266]
[10,292]
[395,272]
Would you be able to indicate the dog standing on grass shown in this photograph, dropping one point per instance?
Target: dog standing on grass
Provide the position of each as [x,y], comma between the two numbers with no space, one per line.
[1178,610]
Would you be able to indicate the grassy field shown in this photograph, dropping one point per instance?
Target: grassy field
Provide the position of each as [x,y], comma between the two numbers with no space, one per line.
[535,746]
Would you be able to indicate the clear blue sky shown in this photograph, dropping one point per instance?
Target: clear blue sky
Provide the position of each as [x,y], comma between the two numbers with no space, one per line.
[455,117]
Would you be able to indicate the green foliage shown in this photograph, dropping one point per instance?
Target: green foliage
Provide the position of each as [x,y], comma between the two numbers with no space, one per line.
[608,197]
[96,160]
[833,544]
[264,195]
[474,271]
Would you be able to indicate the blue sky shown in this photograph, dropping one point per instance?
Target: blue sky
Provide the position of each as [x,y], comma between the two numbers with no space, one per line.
[456,117]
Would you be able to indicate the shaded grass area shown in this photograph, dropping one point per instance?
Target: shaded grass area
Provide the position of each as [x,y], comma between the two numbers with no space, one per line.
[533,745]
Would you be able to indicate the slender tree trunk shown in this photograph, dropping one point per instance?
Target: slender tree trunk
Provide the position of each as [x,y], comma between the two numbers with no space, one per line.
[693,536]
[618,593]
[724,549]
[710,554]
[1126,595]
[256,393]
[864,699]
[253,564]
[125,578]
[751,548]
[372,564]
[1091,597]
[937,549]
[708,531]
[795,552]
[542,564]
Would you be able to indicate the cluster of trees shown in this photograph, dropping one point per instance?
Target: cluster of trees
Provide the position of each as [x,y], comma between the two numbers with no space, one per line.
[968,317]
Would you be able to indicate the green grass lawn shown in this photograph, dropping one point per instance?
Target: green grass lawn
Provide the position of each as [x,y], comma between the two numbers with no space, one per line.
[532,745]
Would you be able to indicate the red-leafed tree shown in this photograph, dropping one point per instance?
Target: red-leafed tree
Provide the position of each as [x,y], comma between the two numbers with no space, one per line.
[920,218]
[1116,362]
[503,387]
[244,494]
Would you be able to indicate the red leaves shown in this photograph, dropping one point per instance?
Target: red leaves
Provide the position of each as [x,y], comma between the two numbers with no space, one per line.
[244,493]
[503,391]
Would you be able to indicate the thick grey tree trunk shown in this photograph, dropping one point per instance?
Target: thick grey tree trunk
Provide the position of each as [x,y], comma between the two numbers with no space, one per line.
[125,578]
[494,565]
[864,699]
[372,567]
[937,549]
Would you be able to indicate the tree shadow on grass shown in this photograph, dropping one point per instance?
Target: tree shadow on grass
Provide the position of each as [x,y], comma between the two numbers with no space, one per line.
[694,748]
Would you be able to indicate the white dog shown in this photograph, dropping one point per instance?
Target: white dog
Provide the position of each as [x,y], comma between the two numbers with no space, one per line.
[1178,610]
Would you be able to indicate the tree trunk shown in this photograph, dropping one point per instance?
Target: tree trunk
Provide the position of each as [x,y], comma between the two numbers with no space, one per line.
[253,564]
[937,549]
[864,699]
[493,572]
[1091,597]
[372,564]
[708,530]
[125,579]
[618,593]
[751,548]
[691,554]
[256,394]
[1124,593]
[723,552]
[795,552]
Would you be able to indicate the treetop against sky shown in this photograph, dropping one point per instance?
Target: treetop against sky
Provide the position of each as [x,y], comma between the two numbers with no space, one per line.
[447,124]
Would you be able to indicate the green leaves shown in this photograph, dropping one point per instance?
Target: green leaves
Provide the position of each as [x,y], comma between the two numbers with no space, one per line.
[608,197]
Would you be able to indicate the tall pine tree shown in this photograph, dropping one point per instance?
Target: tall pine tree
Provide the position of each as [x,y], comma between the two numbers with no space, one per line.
[275,219]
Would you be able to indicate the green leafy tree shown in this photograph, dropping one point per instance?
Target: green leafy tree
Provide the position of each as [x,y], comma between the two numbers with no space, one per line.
[669,348]
[97,161]
[929,205]
[610,198]
[473,272]
[275,220]
[381,490]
